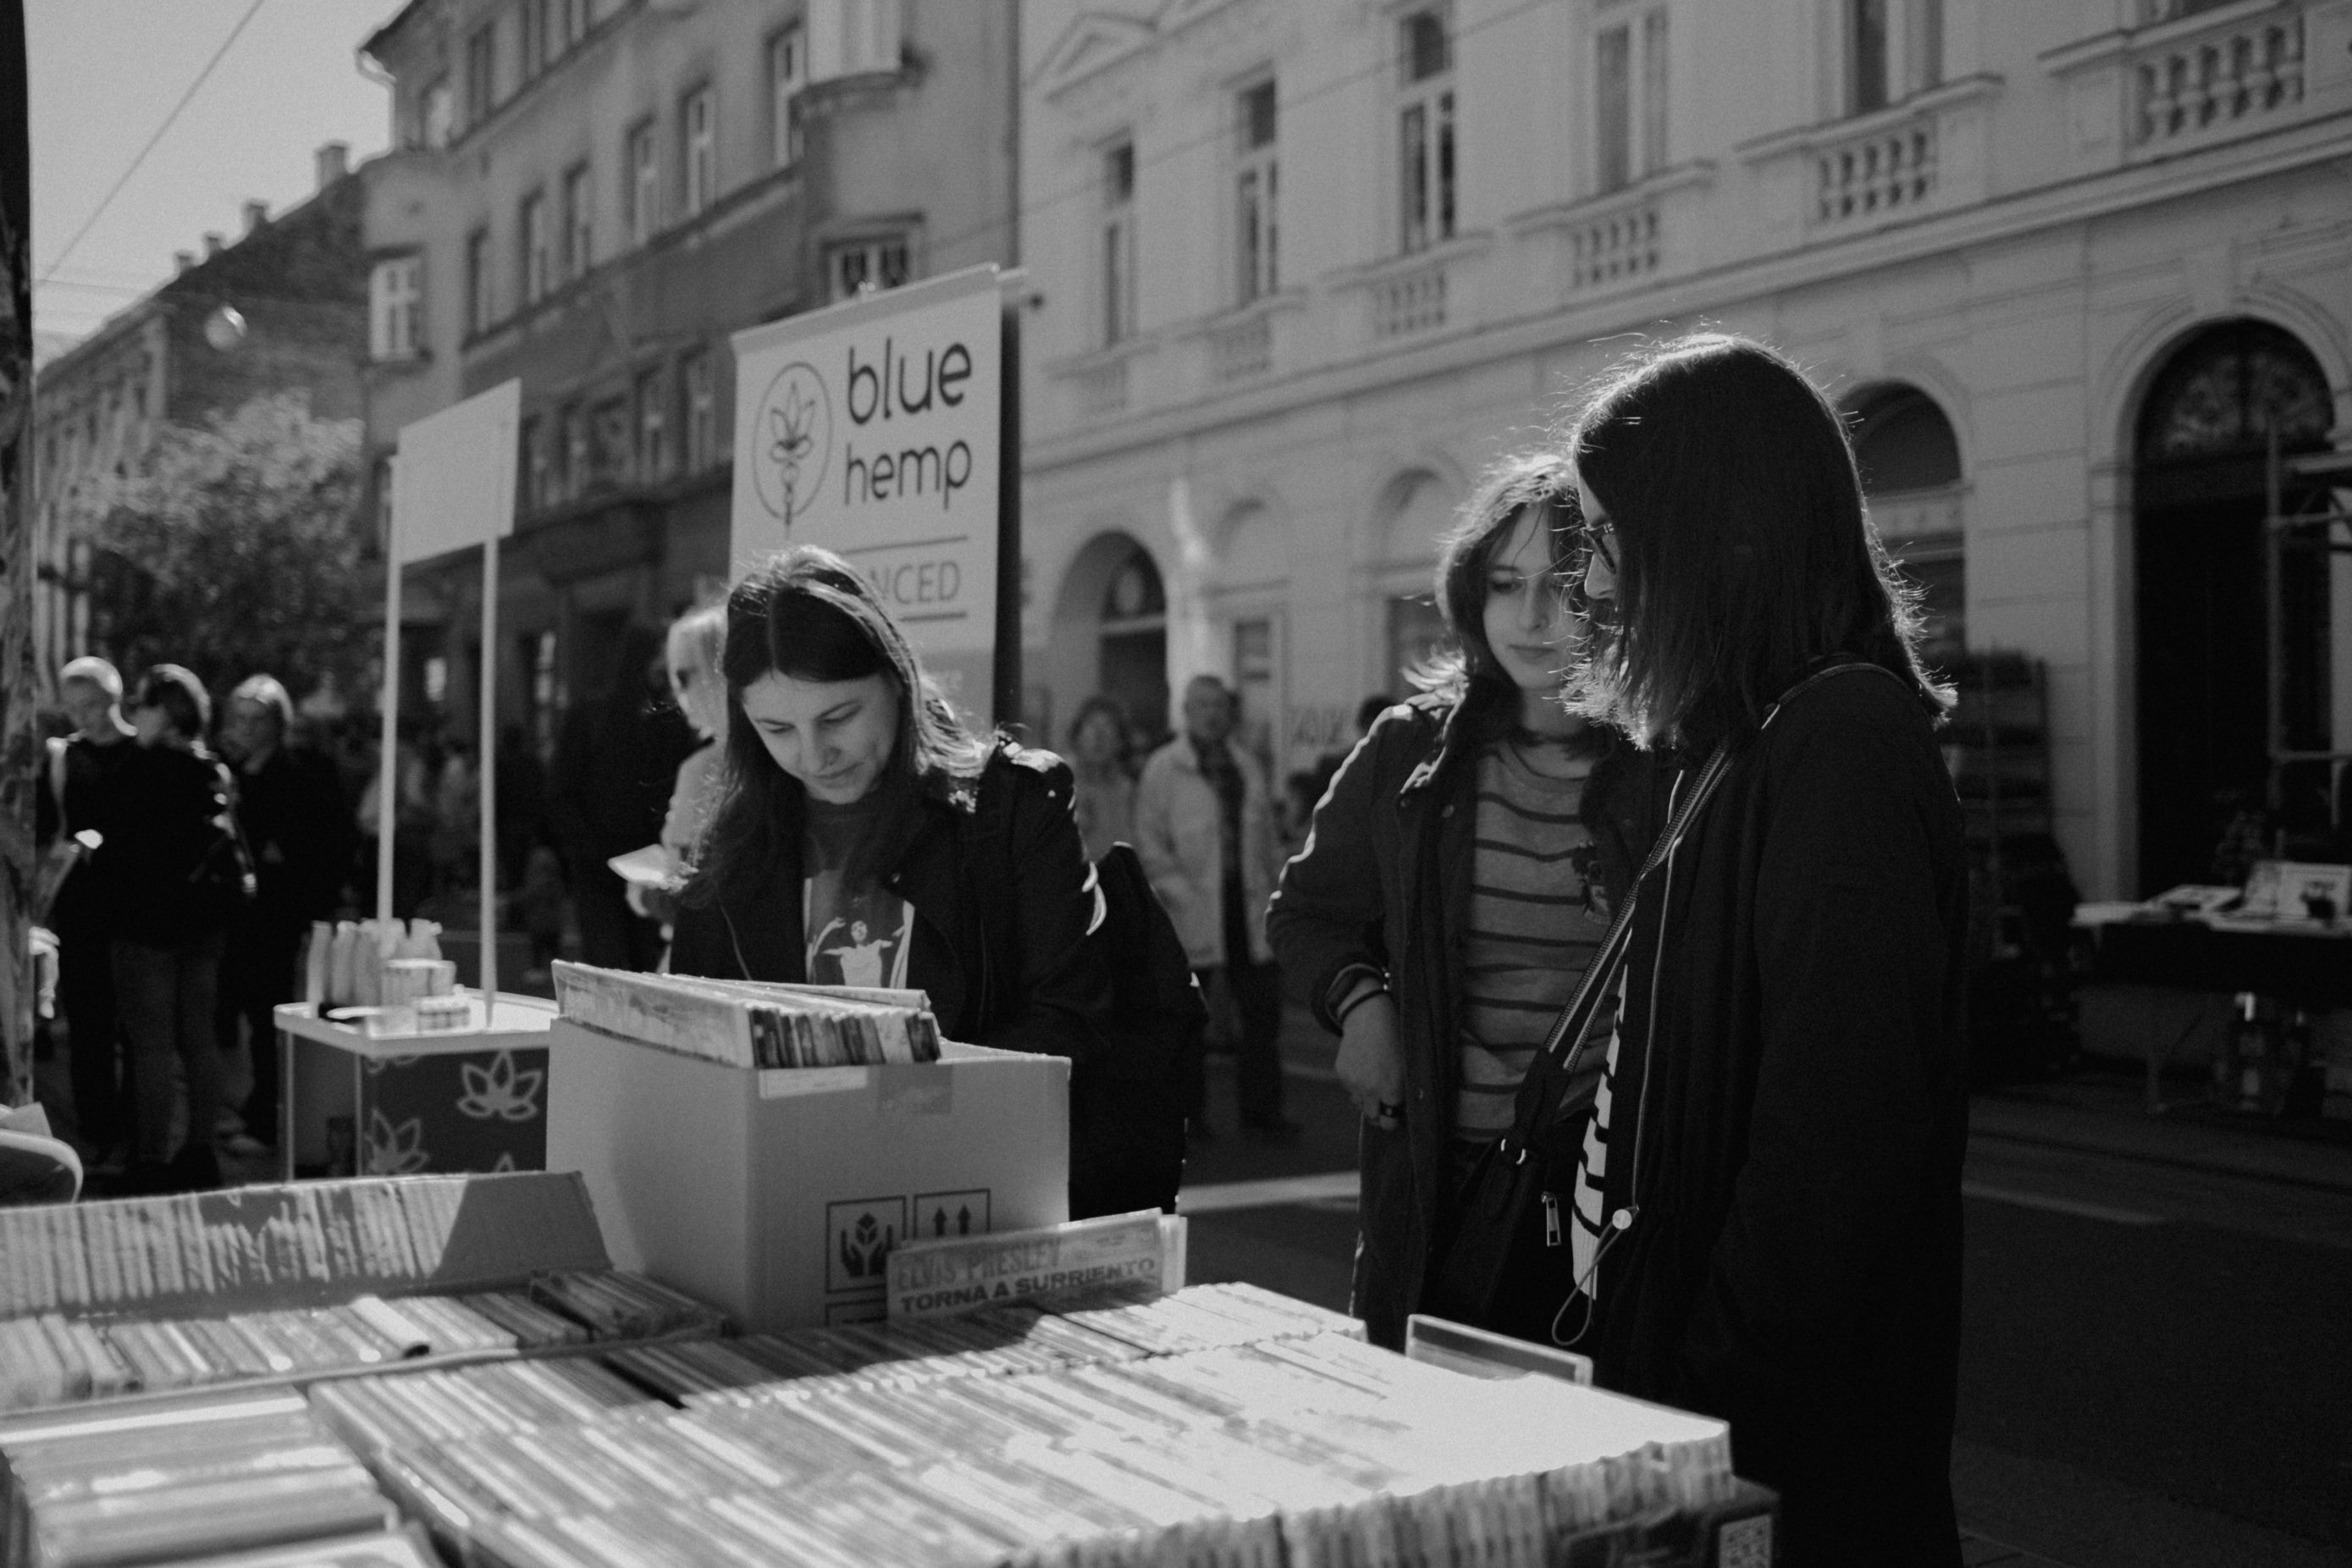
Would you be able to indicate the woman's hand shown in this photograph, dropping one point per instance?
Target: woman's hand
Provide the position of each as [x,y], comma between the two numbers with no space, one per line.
[1370,1064]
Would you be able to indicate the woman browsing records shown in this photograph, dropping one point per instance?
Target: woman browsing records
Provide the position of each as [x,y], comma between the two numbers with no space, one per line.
[1767,1210]
[1457,878]
[863,836]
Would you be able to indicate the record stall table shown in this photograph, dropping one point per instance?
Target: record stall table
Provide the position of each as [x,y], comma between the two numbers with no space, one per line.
[452,1363]
[2160,984]
[514,1416]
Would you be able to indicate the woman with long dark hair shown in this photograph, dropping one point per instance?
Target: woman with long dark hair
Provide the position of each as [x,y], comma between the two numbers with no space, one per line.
[1766,1214]
[1458,877]
[864,836]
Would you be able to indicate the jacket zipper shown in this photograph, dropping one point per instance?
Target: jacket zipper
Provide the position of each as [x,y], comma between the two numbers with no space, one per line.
[1623,1218]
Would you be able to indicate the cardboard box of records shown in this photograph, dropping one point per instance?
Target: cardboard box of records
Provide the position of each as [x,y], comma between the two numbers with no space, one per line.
[777,1191]
[276,1285]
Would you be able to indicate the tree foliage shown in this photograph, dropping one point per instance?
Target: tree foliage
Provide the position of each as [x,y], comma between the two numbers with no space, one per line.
[233,551]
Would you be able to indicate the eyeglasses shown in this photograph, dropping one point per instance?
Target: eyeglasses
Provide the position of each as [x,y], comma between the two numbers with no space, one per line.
[1603,543]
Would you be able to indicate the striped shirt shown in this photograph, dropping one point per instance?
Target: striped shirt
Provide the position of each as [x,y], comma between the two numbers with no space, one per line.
[1535,923]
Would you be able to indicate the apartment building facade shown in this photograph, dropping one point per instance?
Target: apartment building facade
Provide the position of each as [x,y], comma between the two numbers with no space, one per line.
[605,191]
[297,288]
[1305,270]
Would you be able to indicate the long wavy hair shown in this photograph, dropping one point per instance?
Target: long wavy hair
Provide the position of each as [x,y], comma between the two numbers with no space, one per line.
[1744,553]
[808,615]
[1468,673]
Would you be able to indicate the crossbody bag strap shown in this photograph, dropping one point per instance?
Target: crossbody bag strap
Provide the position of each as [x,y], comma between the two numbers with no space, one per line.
[1565,1042]
[1570,1032]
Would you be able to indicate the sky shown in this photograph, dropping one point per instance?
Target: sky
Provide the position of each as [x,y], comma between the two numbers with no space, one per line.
[104,74]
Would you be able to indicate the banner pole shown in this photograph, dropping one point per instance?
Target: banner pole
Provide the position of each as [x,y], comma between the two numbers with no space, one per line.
[387,797]
[1006,696]
[487,772]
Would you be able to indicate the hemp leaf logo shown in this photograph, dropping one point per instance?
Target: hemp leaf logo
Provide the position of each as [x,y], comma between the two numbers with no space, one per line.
[501,1091]
[793,441]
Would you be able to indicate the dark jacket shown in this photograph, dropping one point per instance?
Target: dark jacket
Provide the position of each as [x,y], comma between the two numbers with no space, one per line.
[1790,1122]
[81,912]
[615,764]
[300,835]
[1004,965]
[163,820]
[1383,884]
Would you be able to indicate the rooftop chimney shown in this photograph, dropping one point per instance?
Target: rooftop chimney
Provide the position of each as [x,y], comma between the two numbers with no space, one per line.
[212,243]
[181,260]
[334,161]
[256,215]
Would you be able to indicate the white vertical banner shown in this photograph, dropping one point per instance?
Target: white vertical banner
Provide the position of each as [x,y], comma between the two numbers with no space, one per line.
[454,486]
[872,429]
[457,476]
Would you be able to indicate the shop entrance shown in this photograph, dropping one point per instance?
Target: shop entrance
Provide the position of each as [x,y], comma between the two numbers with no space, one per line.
[1108,638]
[2203,610]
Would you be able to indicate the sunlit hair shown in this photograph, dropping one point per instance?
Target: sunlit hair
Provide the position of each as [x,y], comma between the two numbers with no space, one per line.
[269,693]
[1743,552]
[807,614]
[183,698]
[99,672]
[697,642]
[1540,482]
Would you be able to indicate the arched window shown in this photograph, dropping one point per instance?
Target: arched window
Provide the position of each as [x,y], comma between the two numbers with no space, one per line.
[1903,442]
[2237,642]
[2226,392]
[1418,508]
[1134,594]
[1910,465]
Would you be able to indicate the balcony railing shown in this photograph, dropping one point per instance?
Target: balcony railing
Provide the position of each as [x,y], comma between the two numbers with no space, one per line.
[1923,156]
[1410,302]
[1243,348]
[2217,79]
[1883,174]
[1613,248]
[1100,389]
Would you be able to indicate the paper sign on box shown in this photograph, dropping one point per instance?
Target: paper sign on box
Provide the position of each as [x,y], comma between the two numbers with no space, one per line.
[778,1195]
[931,1277]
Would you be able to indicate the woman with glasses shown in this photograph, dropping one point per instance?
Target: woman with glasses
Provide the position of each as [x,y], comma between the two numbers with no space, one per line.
[1767,1216]
[1458,877]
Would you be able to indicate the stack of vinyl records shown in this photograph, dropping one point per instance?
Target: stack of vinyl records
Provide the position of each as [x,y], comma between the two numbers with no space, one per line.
[52,1358]
[1219,1426]
[749,1024]
[67,1256]
[178,1479]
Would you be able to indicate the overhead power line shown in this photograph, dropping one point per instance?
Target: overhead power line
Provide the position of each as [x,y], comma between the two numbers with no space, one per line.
[116,189]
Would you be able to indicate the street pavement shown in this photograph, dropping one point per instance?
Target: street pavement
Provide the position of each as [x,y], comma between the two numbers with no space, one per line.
[2156,1360]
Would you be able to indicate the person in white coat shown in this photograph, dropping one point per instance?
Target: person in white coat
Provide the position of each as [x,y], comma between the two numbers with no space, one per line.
[1204,830]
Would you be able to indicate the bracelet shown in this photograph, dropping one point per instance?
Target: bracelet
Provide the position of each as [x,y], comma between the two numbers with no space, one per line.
[1358,1000]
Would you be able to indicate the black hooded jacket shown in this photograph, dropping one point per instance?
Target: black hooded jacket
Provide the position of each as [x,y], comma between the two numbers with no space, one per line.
[1004,964]
[1791,1116]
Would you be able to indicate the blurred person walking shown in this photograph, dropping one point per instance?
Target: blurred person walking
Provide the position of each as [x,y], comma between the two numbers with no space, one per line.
[608,792]
[698,682]
[289,809]
[1204,830]
[1105,804]
[176,871]
[83,769]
